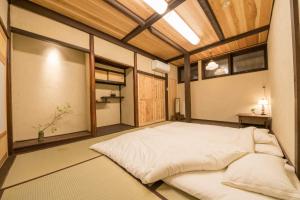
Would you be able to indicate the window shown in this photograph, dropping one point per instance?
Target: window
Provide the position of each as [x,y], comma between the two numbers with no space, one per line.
[222,70]
[194,73]
[249,60]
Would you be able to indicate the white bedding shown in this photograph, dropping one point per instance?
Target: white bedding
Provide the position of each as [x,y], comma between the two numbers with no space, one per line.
[206,185]
[153,154]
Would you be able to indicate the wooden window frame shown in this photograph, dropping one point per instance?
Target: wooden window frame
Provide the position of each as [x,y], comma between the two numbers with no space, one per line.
[181,68]
[230,57]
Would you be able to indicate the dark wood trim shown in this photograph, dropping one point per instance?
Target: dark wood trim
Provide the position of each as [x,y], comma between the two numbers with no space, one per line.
[187,87]
[230,56]
[167,96]
[270,19]
[212,18]
[108,70]
[108,82]
[151,20]
[93,116]
[222,42]
[124,10]
[215,122]
[9,90]
[106,61]
[33,7]
[294,5]
[153,75]
[167,40]
[47,39]
[51,141]
[135,92]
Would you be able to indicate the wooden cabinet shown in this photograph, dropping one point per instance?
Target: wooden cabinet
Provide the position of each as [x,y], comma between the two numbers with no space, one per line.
[151,99]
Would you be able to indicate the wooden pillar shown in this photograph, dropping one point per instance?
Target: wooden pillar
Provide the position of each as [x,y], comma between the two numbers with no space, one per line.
[187,87]
[92,88]
[8,89]
[296,60]
[135,91]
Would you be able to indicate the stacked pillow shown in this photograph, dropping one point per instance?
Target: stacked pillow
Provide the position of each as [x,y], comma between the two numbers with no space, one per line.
[264,172]
[266,143]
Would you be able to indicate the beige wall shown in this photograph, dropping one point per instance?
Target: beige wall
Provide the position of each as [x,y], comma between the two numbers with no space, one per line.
[280,55]
[26,20]
[113,52]
[2,98]
[222,98]
[127,105]
[44,76]
[3,11]
[107,113]
[145,64]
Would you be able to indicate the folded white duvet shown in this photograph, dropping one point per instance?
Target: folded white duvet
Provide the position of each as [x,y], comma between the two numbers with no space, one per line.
[207,185]
[152,154]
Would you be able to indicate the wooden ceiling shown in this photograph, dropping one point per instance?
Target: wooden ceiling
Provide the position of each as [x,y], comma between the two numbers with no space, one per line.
[214,21]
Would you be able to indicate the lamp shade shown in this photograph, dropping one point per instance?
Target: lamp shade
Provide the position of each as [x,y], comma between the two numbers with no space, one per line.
[212,65]
[263,102]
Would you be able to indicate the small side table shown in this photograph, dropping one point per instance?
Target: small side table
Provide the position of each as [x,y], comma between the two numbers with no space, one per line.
[249,119]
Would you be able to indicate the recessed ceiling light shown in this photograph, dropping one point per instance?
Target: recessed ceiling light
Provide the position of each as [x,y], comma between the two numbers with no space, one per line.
[160,6]
[181,27]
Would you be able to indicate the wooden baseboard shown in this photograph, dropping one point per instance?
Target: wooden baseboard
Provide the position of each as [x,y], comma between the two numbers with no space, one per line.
[214,122]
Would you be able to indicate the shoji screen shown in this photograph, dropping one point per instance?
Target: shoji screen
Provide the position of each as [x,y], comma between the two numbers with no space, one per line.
[151,99]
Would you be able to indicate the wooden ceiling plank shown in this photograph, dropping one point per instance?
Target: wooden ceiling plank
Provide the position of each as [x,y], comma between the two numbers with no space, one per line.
[120,7]
[212,18]
[225,41]
[33,7]
[161,36]
[151,20]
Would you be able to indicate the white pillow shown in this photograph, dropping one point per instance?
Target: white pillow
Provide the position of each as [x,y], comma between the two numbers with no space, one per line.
[261,173]
[270,149]
[262,136]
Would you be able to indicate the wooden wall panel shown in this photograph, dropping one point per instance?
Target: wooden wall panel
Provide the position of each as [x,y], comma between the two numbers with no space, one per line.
[112,76]
[3,46]
[236,16]
[154,45]
[194,16]
[94,13]
[151,99]
[3,148]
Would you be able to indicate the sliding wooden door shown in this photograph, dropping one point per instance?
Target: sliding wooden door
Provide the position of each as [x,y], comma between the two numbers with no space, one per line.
[3,68]
[151,99]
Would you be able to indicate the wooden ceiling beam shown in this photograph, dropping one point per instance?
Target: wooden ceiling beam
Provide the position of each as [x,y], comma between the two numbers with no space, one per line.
[35,8]
[212,18]
[120,7]
[151,20]
[225,41]
[164,38]
[117,5]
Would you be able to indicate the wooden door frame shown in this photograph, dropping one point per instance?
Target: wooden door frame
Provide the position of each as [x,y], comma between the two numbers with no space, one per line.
[294,5]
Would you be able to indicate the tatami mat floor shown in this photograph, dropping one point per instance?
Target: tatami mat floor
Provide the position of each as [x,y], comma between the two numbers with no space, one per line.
[73,171]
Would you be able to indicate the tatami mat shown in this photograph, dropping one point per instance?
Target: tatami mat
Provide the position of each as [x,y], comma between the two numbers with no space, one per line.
[38,163]
[97,179]
[173,194]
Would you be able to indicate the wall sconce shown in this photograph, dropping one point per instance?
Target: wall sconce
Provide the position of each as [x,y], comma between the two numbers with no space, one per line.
[263,102]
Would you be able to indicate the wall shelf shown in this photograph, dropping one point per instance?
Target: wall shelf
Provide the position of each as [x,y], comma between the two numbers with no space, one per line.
[109,82]
[104,99]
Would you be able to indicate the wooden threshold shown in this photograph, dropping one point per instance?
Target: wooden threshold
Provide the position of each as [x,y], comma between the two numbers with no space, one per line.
[105,130]
[34,144]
